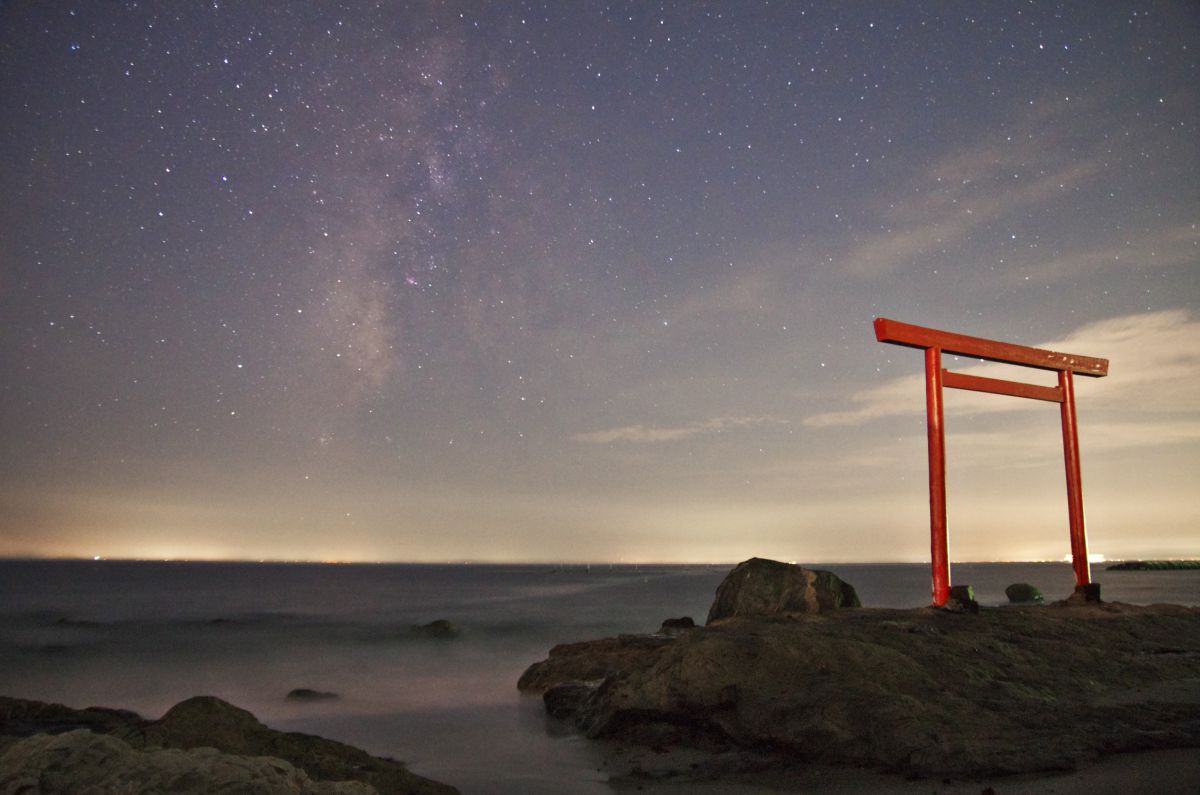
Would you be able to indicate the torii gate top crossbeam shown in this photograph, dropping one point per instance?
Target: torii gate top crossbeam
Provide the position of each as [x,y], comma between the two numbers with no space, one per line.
[962,345]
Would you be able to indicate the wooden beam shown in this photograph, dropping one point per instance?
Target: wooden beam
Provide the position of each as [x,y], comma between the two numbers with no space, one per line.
[978,383]
[898,333]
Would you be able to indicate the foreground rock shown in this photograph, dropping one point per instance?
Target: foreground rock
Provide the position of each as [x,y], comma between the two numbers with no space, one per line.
[760,587]
[83,761]
[36,738]
[922,692]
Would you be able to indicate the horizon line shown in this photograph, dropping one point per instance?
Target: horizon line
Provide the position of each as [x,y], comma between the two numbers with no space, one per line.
[471,562]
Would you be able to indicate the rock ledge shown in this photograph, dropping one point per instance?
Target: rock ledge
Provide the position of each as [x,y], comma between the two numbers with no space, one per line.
[921,692]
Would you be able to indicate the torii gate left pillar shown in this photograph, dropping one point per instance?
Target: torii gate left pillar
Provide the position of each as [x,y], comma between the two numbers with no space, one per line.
[934,343]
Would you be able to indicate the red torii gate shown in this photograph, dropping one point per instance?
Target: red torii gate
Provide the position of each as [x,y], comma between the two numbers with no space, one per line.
[934,343]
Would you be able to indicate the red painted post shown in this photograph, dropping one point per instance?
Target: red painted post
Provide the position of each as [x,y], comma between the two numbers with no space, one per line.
[939,546]
[1079,553]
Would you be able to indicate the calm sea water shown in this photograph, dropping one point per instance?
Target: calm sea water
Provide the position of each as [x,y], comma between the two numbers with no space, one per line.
[144,636]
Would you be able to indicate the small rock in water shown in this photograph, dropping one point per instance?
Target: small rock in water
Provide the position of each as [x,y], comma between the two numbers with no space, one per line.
[1023,592]
[76,622]
[441,629]
[306,694]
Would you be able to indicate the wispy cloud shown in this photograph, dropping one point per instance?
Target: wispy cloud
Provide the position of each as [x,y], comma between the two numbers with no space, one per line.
[976,186]
[1006,447]
[1163,247]
[1154,378]
[643,434]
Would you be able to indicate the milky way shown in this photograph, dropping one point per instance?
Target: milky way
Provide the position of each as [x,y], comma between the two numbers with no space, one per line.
[593,281]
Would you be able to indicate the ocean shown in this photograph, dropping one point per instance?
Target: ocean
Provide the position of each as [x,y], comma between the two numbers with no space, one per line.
[146,635]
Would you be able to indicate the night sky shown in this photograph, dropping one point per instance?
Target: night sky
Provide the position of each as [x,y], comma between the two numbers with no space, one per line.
[589,281]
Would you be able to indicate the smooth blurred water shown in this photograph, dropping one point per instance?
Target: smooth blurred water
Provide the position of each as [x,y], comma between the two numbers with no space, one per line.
[145,636]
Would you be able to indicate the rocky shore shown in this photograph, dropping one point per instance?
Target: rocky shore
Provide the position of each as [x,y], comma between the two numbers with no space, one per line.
[778,677]
[200,745]
[789,685]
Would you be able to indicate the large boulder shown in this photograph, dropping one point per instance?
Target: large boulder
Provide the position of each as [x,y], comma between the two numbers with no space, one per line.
[760,587]
[83,761]
[208,721]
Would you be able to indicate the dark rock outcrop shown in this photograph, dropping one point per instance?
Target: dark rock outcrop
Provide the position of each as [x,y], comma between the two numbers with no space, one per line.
[201,722]
[760,587]
[922,692]
[1023,592]
[673,626]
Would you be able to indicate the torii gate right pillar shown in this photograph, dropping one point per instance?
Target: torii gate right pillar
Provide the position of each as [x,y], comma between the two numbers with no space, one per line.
[1079,554]
[939,542]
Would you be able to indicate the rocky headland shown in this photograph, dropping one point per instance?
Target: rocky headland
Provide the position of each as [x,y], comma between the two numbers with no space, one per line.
[1154,565]
[200,745]
[783,672]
